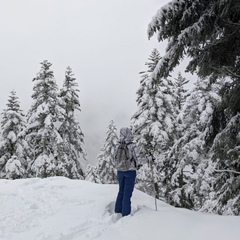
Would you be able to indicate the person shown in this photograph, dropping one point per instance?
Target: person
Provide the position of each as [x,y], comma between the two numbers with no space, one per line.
[126,178]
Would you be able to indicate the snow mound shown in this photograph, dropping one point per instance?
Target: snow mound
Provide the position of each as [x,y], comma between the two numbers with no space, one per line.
[62,209]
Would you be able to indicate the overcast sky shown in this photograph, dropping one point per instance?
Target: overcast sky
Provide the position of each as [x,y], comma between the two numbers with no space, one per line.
[104,42]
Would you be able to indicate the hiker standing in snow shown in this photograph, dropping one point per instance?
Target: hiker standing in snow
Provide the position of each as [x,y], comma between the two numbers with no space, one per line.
[127,160]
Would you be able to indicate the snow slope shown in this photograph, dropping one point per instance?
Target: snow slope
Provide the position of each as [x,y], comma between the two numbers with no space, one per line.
[62,209]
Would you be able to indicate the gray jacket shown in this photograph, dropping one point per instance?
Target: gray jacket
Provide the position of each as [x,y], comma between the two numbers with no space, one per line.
[127,137]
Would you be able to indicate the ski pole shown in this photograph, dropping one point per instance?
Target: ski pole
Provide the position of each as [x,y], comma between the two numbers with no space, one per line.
[151,161]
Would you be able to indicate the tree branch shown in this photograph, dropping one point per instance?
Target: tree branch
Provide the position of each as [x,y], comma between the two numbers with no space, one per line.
[233,23]
[231,73]
[227,70]
[231,171]
[187,172]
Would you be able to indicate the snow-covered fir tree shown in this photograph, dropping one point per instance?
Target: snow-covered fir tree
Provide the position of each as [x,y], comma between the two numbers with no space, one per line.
[153,124]
[43,117]
[105,168]
[14,149]
[149,178]
[180,91]
[72,146]
[180,95]
[183,164]
[210,39]
[225,192]
[91,174]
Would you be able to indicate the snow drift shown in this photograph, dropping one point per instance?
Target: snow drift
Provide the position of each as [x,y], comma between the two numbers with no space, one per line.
[62,209]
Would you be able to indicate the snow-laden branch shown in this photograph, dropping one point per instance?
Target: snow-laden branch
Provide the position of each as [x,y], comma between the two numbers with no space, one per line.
[231,171]
[216,170]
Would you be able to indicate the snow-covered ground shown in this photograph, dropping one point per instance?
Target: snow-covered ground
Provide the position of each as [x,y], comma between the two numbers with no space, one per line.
[62,209]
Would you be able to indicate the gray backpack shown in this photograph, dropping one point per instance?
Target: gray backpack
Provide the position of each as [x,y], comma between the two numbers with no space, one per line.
[123,157]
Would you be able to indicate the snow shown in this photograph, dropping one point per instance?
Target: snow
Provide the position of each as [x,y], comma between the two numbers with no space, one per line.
[13,164]
[62,209]
[12,136]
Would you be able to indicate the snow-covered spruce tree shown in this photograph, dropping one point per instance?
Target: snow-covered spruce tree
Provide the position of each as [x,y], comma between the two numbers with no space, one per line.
[225,195]
[91,174]
[153,124]
[205,31]
[208,33]
[43,117]
[70,130]
[105,168]
[183,166]
[14,149]
[180,91]
[180,95]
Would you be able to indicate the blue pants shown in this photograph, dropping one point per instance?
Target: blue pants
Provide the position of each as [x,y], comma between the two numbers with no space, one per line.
[126,180]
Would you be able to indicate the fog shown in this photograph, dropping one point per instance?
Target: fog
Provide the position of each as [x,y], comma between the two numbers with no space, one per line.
[104,42]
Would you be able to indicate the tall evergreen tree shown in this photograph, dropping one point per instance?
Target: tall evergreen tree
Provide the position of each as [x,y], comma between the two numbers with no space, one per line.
[105,167]
[14,149]
[70,130]
[180,95]
[208,33]
[43,116]
[180,91]
[225,193]
[153,124]
[181,166]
